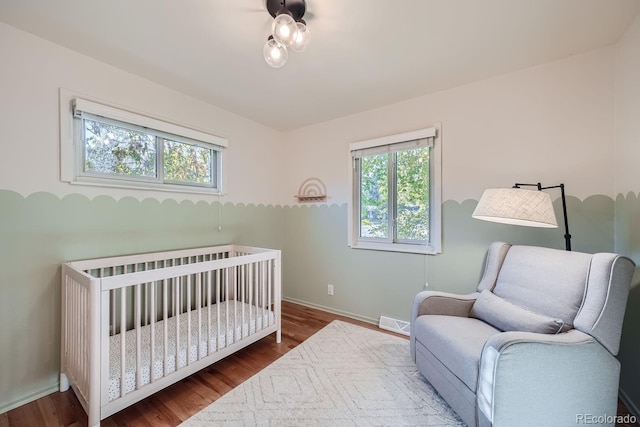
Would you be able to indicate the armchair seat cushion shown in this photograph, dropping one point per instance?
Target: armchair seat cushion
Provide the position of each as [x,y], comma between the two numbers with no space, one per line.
[457,342]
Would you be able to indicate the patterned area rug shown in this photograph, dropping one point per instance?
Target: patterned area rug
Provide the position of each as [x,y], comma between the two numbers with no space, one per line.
[344,375]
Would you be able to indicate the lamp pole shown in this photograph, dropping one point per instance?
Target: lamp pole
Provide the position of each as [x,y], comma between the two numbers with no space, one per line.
[567,236]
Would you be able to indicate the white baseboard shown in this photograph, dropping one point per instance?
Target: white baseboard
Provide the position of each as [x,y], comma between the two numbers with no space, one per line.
[332,310]
[27,399]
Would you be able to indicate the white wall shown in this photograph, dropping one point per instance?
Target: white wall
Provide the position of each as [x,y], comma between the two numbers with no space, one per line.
[627,107]
[547,123]
[31,74]
[552,123]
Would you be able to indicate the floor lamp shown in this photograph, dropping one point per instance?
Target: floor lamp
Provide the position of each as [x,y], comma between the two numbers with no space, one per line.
[519,206]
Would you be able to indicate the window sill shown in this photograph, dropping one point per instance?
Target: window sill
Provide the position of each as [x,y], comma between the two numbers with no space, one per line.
[396,247]
[146,186]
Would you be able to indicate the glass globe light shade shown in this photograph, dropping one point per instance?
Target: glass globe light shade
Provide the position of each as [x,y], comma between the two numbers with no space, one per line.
[284,29]
[301,40]
[275,53]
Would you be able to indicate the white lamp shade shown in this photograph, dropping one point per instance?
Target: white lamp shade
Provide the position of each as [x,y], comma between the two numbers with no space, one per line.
[517,206]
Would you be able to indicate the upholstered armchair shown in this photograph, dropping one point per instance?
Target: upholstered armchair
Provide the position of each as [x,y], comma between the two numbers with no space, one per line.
[535,345]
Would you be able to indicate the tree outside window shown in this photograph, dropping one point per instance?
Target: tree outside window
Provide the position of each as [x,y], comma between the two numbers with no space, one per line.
[394,196]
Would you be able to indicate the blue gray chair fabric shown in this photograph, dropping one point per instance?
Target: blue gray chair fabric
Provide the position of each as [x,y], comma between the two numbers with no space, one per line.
[535,345]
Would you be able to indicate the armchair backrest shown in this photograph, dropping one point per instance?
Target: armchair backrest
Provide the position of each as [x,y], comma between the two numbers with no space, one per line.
[587,292]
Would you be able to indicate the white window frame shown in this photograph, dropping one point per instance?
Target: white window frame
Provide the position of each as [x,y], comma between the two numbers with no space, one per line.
[72,110]
[434,245]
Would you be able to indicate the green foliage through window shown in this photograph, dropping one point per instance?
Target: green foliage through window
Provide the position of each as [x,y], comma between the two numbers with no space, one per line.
[187,163]
[396,182]
[412,191]
[374,196]
[131,152]
[112,149]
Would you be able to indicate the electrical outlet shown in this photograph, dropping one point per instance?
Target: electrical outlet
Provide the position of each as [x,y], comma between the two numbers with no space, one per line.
[330,289]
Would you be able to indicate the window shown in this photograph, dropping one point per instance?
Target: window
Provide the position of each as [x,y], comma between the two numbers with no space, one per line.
[116,147]
[396,193]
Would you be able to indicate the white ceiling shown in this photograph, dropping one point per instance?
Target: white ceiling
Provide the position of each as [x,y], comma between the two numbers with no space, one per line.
[363,53]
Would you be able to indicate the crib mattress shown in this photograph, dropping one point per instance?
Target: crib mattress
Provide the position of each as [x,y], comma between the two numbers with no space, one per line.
[255,319]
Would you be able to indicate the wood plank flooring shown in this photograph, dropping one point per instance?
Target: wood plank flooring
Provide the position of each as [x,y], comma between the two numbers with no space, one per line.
[180,401]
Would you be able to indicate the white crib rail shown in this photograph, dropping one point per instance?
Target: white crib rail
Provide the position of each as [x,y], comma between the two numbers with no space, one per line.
[207,292]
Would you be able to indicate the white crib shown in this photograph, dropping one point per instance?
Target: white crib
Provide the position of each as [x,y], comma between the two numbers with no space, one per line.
[132,325]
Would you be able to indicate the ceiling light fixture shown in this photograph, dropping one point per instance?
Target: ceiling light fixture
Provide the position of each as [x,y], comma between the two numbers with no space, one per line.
[288,30]
[275,53]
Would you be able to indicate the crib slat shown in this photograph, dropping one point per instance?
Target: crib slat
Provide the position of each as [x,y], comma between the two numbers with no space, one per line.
[123,328]
[260,295]
[199,313]
[177,288]
[188,313]
[165,332]
[112,304]
[208,302]
[145,307]
[250,284]
[234,318]
[218,324]
[250,291]
[152,354]
[263,282]
[226,323]
[270,285]
[241,284]
[137,304]
[173,287]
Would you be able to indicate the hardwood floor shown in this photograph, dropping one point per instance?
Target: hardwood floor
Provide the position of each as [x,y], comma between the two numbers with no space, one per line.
[180,401]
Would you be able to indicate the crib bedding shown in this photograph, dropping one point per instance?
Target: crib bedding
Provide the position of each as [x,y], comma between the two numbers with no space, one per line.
[243,320]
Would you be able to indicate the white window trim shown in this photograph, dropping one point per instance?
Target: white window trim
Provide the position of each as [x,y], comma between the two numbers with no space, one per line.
[434,246]
[71,171]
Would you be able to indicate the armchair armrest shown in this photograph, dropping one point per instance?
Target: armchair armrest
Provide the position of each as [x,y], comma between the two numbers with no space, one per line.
[553,380]
[443,303]
[433,302]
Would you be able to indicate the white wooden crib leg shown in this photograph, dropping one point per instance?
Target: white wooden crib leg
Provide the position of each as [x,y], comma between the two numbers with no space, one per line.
[278,336]
[94,419]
